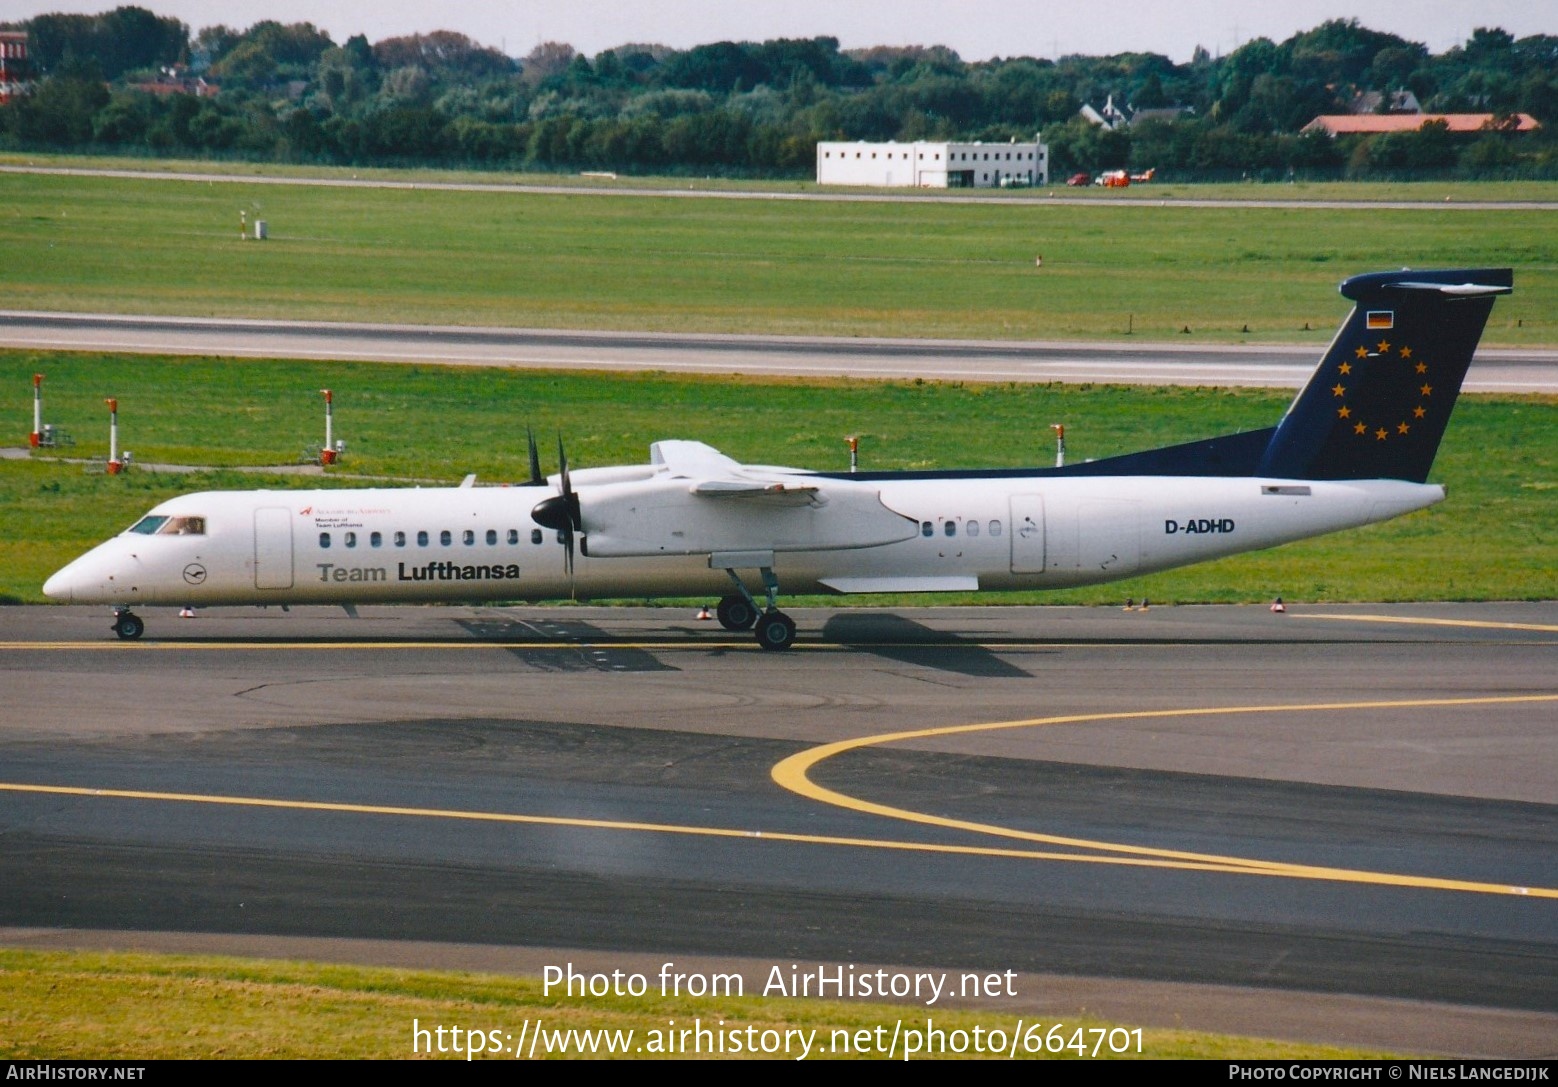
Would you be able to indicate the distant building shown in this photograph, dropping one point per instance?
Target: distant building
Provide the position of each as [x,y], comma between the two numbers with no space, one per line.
[928,165]
[1164,113]
[176,80]
[1112,116]
[1402,101]
[1347,124]
[15,72]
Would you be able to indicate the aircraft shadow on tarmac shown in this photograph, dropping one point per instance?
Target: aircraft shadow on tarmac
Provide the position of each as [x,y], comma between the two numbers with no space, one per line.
[886,635]
[903,640]
[594,651]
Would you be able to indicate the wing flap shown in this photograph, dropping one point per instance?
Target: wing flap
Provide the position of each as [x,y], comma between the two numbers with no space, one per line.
[770,492]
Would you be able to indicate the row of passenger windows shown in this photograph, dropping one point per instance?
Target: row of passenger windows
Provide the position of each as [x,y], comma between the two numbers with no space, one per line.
[950,528]
[424,539]
[951,157]
[511,537]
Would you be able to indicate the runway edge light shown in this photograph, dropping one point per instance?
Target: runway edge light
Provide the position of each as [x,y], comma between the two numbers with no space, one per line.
[115,465]
[330,453]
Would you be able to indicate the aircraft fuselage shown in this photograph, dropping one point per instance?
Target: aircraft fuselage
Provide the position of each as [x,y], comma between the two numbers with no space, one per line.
[474,544]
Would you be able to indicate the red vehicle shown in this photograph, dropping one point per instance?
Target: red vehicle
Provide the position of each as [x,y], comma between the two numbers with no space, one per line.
[1080,180]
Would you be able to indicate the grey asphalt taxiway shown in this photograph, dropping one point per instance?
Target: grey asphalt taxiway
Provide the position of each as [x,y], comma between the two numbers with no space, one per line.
[1337,824]
[1494,370]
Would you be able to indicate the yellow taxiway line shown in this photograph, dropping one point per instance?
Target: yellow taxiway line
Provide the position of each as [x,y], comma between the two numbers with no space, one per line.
[1424,620]
[591,824]
[793,774]
[1182,862]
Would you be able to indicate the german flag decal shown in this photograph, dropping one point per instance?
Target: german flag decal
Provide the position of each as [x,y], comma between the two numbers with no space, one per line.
[1382,318]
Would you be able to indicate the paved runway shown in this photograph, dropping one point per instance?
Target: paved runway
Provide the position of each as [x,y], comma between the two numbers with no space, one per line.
[1348,810]
[608,185]
[1282,366]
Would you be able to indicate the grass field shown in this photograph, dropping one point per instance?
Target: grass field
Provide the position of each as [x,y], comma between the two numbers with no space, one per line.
[62,1005]
[1494,538]
[659,263]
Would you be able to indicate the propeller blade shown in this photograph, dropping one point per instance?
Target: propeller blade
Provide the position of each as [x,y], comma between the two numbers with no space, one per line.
[535,459]
[574,522]
[562,467]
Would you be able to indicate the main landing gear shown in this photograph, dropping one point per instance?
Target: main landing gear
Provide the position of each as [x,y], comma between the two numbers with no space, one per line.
[128,625]
[738,611]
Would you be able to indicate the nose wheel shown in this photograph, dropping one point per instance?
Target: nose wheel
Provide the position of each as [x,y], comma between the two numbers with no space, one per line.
[128,625]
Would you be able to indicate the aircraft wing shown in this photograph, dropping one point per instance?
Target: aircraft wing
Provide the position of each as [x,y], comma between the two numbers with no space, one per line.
[714,475]
[699,501]
[691,460]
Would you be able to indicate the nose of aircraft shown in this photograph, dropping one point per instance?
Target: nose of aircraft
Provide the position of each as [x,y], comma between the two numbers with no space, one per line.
[61,585]
[94,578]
[108,574]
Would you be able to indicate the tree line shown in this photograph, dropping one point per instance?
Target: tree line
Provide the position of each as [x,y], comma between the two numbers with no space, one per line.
[125,81]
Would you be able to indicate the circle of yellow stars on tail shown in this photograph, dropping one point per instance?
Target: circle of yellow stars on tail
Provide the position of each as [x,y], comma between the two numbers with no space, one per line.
[1399,397]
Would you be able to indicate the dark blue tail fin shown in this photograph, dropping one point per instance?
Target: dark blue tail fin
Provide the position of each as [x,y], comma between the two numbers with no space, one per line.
[1377,406]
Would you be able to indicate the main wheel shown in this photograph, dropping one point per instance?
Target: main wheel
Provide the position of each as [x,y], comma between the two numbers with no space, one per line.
[736,613]
[775,630]
[128,626]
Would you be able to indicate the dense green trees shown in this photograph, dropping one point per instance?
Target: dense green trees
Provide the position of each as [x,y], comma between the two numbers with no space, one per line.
[287,91]
[115,42]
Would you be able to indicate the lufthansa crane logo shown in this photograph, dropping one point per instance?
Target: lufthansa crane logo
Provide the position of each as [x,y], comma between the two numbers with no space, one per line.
[195,574]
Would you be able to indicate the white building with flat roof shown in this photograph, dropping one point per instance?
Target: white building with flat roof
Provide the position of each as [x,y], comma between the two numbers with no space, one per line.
[929,165]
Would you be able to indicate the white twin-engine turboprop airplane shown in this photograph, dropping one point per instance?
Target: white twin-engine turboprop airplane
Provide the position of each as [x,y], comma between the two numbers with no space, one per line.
[1355,447]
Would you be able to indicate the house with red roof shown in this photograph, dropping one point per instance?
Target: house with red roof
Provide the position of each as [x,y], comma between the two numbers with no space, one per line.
[1370,124]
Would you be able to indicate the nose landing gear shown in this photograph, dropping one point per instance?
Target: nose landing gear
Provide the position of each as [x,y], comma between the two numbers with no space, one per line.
[128,625]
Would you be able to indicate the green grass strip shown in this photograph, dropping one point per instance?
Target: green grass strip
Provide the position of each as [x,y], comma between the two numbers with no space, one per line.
[100,1005]
[916,268]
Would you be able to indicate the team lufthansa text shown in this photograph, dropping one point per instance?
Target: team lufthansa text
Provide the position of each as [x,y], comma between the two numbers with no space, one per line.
[431,571]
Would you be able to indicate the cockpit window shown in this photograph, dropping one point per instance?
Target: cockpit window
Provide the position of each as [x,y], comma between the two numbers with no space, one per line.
[163,525]
[147,526]
[183,526]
